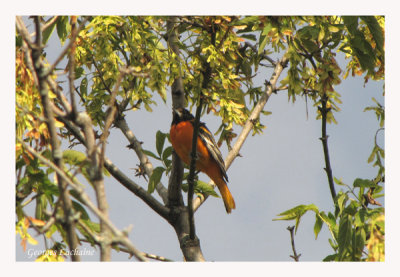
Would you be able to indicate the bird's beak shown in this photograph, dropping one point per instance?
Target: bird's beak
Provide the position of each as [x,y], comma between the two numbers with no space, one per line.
[178,112]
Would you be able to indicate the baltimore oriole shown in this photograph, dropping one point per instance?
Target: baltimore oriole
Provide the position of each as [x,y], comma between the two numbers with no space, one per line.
[209,158]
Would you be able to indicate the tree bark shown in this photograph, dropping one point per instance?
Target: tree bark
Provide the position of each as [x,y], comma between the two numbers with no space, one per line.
[179,217]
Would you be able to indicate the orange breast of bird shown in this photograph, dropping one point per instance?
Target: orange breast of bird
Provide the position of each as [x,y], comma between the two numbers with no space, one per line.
[181,135]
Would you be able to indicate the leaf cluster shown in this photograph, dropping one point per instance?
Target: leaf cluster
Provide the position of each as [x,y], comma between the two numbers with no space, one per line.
[352,225]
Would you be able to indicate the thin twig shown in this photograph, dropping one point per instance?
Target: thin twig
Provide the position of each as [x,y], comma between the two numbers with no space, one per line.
[324,139]
[193,158]
[294,256]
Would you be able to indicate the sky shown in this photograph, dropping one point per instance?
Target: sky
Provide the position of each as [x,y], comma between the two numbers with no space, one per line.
[280,169]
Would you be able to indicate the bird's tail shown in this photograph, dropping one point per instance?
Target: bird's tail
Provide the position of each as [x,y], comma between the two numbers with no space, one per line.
[226,195]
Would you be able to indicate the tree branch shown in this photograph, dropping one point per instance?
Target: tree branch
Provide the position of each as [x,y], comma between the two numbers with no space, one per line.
[324,139]
[178,101]
[179,219]
[192,169]
[120,236]
[193,155]
[120,176]
[135,144]
[71,67]
[55,144]
[97,179]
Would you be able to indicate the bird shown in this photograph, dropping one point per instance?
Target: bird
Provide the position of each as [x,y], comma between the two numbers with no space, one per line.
[209,158]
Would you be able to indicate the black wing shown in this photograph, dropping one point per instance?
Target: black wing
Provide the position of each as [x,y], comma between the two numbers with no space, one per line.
[208,139]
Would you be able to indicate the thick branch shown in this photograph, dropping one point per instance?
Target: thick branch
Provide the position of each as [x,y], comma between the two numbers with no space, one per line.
[55,144]
[97,179]
[179,214]
[178,101]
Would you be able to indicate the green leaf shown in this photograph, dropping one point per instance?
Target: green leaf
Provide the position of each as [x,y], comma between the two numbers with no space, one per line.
[94,227]
[87,236]
[360,238]
[160,140]
[248,20]
[18,41]
[151,154]
[83,87]
[333,244]
[76,195]
[338,181]
[47,33]
[360,218]
[204,188]
[78,207]
[351,23]
[345,235]
[155,178]
[246,69]
[335,28]
[78,72]
[296,213]
[330,258]
[249,36]
[167,153]
[373,153]
[264,38]
[375,30]
[63,28]
[341,201]
[41,204]
[73,157]
[317,225]
[300,209]
[363,183]
[308,33]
